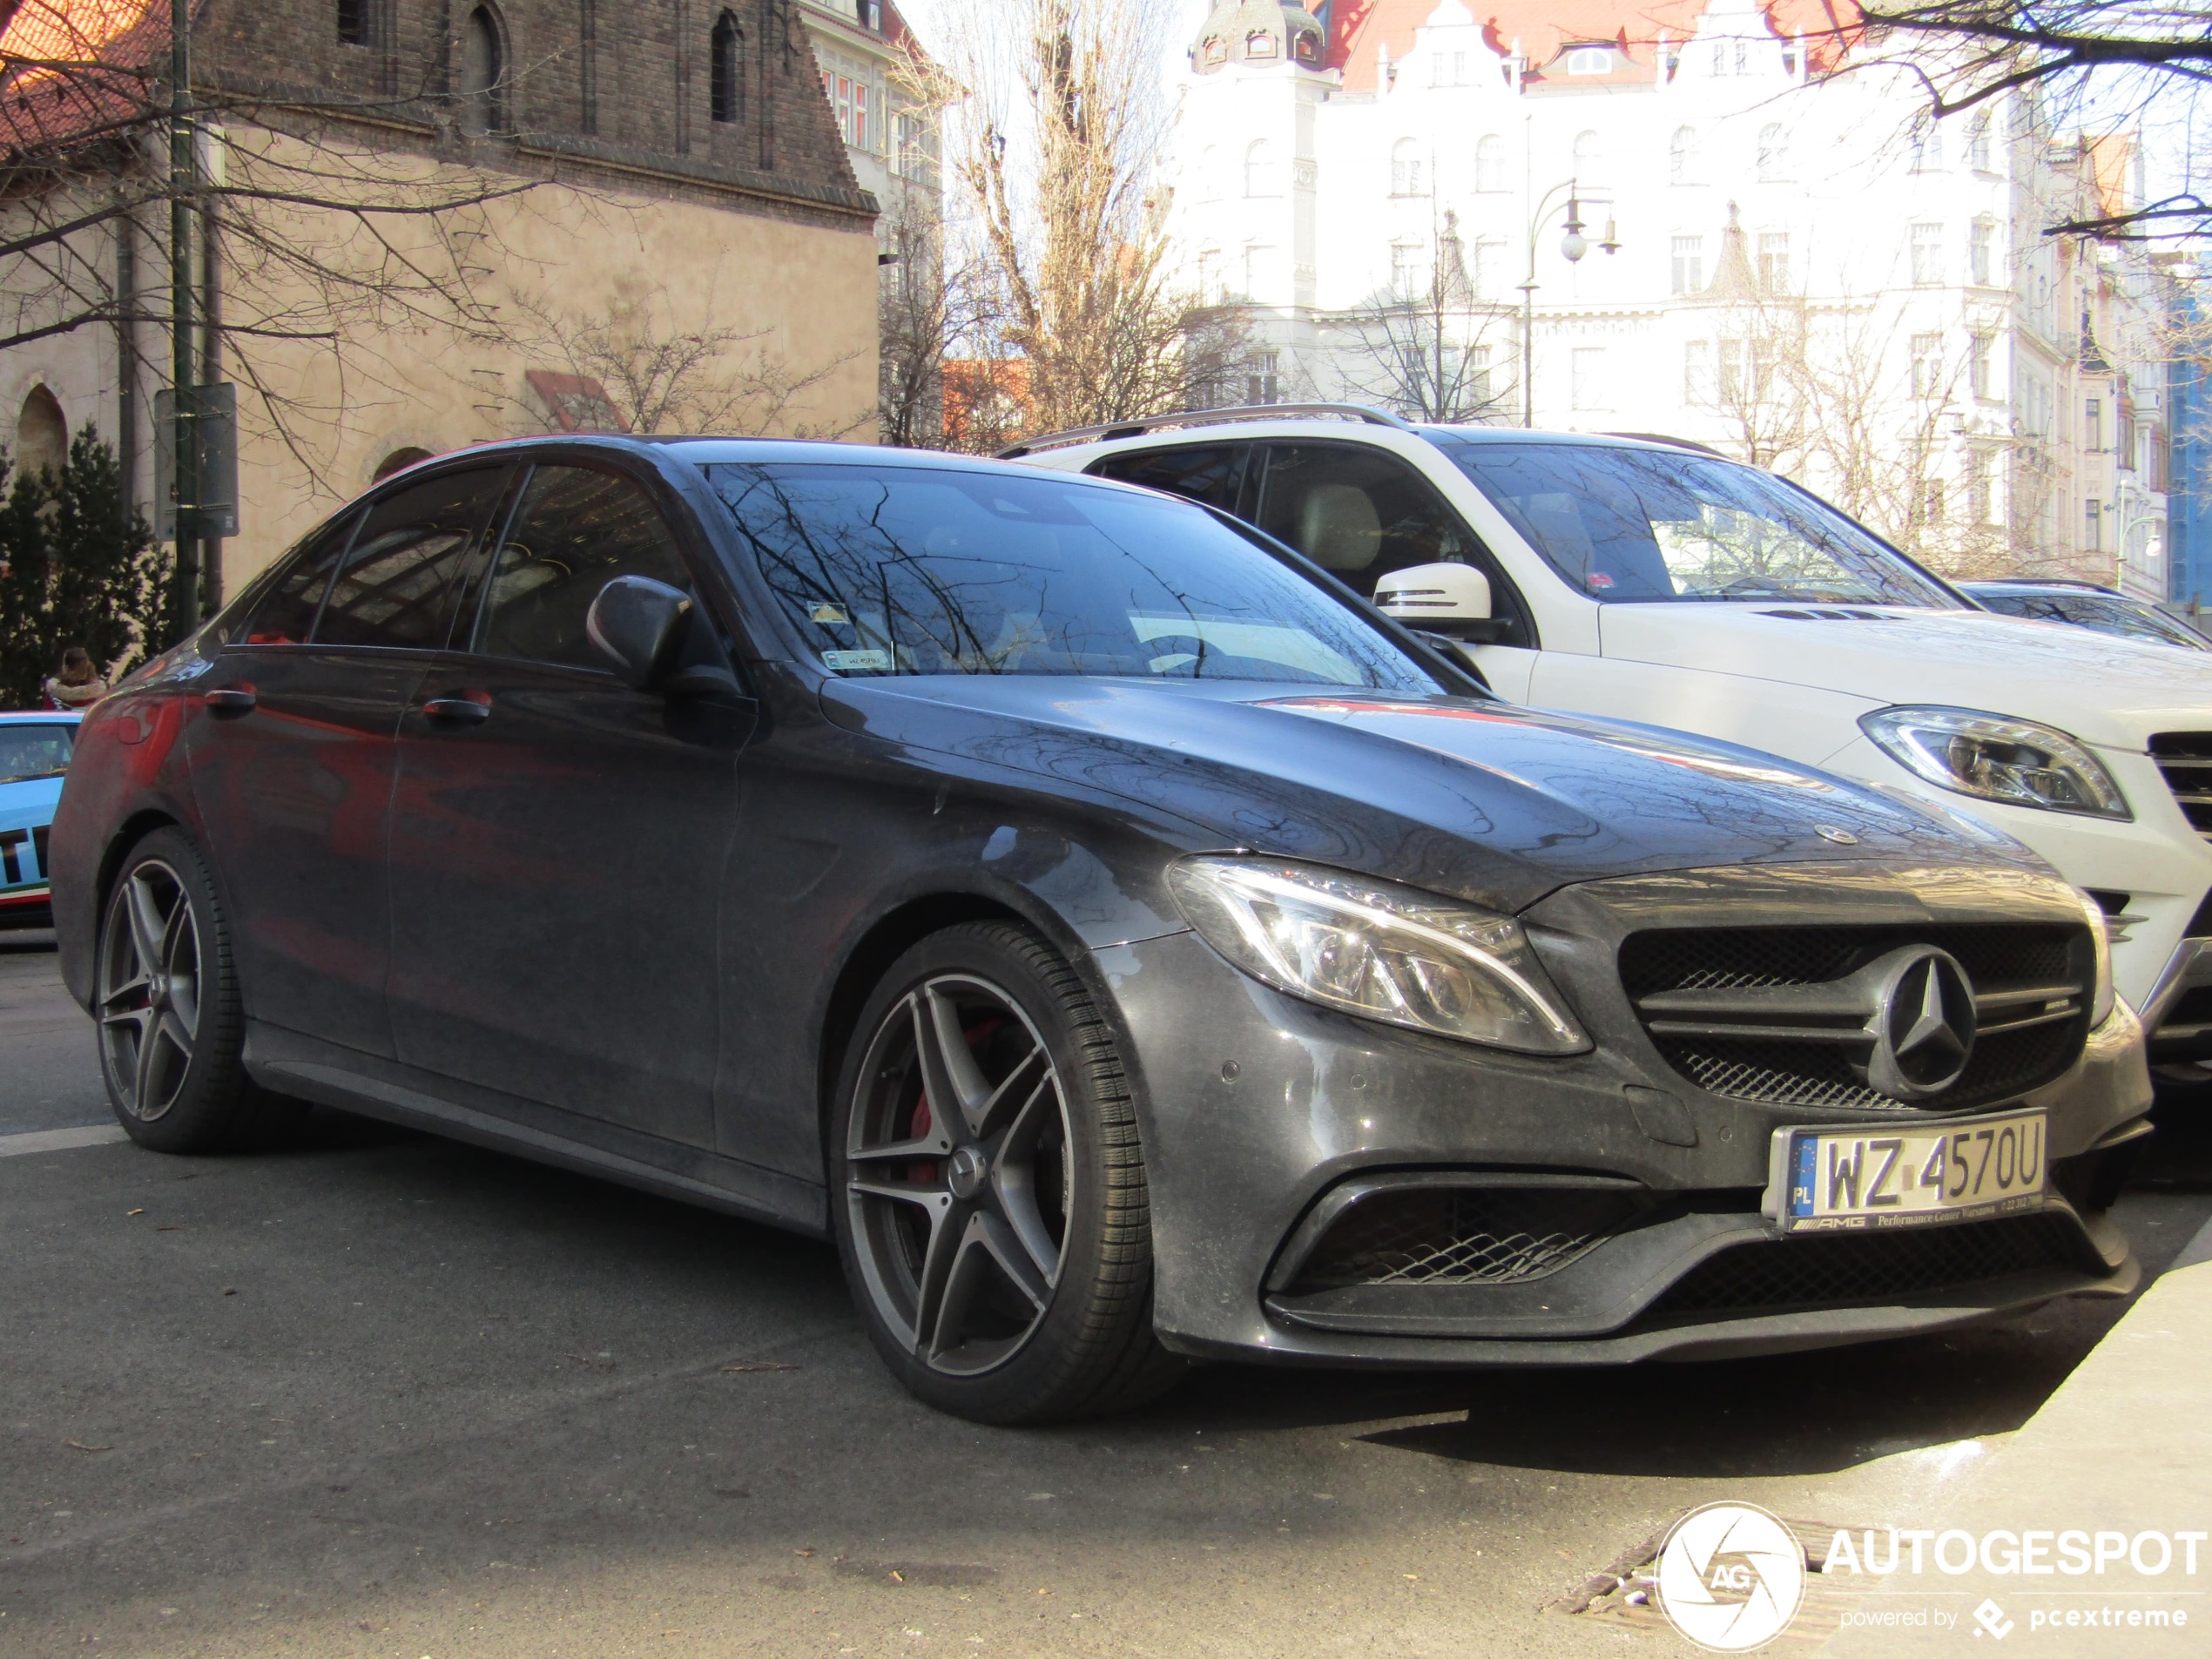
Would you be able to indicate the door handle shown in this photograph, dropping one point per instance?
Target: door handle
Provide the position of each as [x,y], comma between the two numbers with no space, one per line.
[231,699]
[462,708]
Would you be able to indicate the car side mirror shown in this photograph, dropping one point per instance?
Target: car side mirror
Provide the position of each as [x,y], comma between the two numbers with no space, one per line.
[637,625]
[1449,599]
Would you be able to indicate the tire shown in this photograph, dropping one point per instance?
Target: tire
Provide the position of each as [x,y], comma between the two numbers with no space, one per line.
[1002,1262]
[171,1024]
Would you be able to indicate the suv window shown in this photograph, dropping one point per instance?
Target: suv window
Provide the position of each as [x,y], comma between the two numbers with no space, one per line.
[285,615]
[1211,473]
[576,530]
[1359,513]
[396,584]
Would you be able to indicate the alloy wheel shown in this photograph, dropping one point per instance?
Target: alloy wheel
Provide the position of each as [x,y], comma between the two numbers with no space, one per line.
[959,1174]
[148,1004]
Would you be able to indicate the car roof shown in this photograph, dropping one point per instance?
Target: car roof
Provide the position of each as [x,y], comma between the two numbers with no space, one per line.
[705,450]
[39,716]
[2032,584]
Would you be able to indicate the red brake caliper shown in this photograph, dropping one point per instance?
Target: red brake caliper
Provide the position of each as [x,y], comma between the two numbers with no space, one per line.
[926,1170]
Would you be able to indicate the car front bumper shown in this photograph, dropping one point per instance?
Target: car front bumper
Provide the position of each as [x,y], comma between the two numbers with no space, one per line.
[1265,1117]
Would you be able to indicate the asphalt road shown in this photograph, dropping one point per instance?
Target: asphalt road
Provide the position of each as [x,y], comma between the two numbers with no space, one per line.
[386,1395]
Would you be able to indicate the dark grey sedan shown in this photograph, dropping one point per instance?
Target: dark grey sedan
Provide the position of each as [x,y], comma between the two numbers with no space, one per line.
[1125,942]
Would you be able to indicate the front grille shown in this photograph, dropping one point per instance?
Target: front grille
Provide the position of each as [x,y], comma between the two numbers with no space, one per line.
[1459,1235]
[2022,1045]
[1870,1267]
[2185,760]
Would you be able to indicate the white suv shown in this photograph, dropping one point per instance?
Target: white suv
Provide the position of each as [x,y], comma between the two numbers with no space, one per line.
[1660,582]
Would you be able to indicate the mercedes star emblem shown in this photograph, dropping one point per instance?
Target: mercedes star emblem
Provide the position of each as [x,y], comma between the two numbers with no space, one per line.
[1923,1026]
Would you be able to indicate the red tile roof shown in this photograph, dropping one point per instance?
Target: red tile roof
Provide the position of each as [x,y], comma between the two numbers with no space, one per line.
[71,69]
[1360,29]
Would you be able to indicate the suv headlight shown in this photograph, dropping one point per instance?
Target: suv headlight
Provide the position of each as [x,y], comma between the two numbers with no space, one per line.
[1991,758]
[1377,950]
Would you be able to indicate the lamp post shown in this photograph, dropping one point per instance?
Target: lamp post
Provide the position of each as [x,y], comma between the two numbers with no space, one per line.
[183,433]
[1572,246]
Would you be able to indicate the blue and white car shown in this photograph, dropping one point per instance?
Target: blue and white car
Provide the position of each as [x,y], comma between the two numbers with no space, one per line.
[34,757]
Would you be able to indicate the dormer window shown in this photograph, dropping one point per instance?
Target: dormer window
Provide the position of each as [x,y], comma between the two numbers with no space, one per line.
[1590,60]
[1260,44]
[1306,49]
[1213,51]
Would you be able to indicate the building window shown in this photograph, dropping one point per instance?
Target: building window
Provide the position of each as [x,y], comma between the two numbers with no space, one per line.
[1407,176]
[1681,156]
[1927,366]
[1977,355]
[850,99]
[1774,151]
[1774,262]
[1260,171]
[1489,266]
[1736,356]
[42,434]
[1490,163]
[2093,426]
[1689,265]
[1932,504]
[1478,375]
[1981,504]
[1981,238]
[352,22]
[915,149]
[1587,388]
[484,69]
[1210,276]
[1589,157]
[1263,383]
[1697,373]
[1260,43]
[1405,266]
[1927,149]
[1977,142]
[1927,255]
[725,93]
[869,13]
[1259,261]
[1590,60]
[2092,528]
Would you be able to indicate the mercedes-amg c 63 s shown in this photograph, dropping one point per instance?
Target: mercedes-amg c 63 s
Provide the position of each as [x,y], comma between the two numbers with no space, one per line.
[1127,944]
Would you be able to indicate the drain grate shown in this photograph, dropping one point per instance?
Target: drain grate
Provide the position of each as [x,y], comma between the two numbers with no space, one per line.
[1621,1595]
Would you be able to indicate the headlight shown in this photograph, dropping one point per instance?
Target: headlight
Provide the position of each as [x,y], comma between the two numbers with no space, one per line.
[1987,756]
[2100,1000]
[1379,950]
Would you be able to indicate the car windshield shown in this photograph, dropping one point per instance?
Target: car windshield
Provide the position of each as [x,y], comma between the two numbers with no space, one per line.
[2105,613]
[924,570]
[33,750]
[1637,526]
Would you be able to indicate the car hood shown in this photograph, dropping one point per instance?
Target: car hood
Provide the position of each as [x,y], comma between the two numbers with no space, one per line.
[2107,691]
[1495,804]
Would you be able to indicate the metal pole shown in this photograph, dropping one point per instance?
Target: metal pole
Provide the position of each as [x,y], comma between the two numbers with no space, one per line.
[184,440]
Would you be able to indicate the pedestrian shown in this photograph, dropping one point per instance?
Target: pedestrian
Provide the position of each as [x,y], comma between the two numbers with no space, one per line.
[78,686]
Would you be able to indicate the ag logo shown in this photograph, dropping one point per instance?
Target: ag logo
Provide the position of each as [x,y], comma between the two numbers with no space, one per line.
[1731,1577]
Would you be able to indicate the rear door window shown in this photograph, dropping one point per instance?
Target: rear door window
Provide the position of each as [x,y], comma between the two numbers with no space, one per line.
[1211,473]
[396,587]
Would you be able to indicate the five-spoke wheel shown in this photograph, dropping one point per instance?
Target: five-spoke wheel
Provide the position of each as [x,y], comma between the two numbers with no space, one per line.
[149,990]
[989,1188]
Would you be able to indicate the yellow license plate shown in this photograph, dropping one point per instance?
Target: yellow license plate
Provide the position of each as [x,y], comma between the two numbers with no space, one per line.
[1873,1176]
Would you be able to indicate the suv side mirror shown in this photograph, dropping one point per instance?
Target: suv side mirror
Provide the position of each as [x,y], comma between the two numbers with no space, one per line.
[1449,599]
[637,625]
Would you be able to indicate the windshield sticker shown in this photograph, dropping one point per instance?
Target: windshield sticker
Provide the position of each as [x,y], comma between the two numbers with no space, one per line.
[830,616]
[845,662]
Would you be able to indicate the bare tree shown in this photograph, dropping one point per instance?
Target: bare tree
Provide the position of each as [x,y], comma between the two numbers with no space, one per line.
[2116,62]
[936,300]
[1062,135]
[1422,347]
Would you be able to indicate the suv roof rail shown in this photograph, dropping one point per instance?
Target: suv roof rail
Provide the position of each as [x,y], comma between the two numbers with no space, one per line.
[2075,583]
[1672,444]
[1205,417]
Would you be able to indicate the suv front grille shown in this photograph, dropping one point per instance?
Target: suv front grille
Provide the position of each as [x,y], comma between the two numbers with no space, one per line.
[1870,1267]
[1459,1235]
[2032,987]
[2185,761]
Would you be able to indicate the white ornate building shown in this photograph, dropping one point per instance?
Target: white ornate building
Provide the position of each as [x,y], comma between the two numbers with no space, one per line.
[1807,271]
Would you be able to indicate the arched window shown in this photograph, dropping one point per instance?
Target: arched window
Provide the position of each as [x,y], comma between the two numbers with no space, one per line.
[1681,156]
[1407,176]
[352,22]
[398,461]
[42,435]
[1260,171]
[483,70]
[726,94]
[1589,157]
[1774,151]
[1260,43]
[1490,163]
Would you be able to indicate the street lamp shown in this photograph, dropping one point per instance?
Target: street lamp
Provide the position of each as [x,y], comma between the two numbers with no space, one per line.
[1572,246]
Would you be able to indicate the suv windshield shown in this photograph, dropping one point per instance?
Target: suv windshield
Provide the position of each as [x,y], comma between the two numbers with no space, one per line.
[34,749]
[1633,526]
[2107,613]
[915,570]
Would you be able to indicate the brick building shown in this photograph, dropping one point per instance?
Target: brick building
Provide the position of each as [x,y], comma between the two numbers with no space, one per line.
[646,171]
